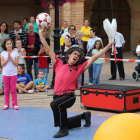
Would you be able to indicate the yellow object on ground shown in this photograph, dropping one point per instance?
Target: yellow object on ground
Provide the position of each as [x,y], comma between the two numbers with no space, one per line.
[125,126]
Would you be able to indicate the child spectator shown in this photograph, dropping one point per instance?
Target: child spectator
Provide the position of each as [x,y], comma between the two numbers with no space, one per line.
[21,51]
[9,62]
[41,83]
[43,63]
[24,81]
[97,65]
[1,82]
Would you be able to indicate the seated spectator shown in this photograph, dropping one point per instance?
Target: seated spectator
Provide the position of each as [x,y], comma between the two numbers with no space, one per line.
[43,63]
[32,20]
[25,21]
[18,33]
[21,51]
[32,49]
[3,34]
[24,81]
[41,83]
[1,82]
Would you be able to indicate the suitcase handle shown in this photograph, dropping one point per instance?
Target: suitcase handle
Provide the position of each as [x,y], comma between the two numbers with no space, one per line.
[135,100]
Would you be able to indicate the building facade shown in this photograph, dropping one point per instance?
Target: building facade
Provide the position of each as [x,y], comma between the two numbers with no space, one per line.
[125,11]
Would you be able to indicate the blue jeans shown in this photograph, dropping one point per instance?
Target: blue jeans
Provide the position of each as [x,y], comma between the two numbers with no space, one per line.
[90,70]
[97,71]
[80,79]
[36,67]
[45,72]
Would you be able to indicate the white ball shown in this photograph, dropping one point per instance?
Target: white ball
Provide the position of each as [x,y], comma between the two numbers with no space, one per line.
[43,20]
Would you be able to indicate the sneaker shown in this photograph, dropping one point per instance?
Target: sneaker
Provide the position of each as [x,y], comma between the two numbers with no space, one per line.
[87,119]
[90,84]
[37,90]
[5,107]
[30,91]
[16,107]
[20,92]
[46,90]
[61,133]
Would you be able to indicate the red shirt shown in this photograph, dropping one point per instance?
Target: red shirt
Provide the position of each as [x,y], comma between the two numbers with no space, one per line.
[43,63]
[31,41]
[66,76]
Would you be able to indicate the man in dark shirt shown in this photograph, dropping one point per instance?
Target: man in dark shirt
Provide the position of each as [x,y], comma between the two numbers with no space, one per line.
[32,49]
[18,33]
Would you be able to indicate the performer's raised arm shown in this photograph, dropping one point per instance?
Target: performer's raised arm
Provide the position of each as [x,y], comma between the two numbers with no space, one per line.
[46,46]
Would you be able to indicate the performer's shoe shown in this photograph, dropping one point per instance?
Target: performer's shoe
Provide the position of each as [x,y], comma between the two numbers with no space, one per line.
[112,78]
[61,133]
[87,119]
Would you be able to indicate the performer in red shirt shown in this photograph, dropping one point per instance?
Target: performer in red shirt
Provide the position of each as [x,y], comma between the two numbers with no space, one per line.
[66,77]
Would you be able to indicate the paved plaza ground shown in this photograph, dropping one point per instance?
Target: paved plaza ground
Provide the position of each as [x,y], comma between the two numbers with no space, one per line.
[43,99]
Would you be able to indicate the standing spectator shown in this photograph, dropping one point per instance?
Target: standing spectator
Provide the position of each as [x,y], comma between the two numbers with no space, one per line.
[32,48]
[97,65]
[63,32]
[69,39]
[79,41]
[9,62]
[18,33]
[25,21]
[3,34]
[21,51]
[120,42]
[48,41]
[93,34]
[43,63]
[32,20]
[86,30]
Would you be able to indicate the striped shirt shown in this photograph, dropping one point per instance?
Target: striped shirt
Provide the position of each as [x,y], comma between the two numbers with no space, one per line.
[23,37]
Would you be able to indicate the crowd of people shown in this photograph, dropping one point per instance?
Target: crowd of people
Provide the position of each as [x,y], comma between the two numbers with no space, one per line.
[32,41]
[26,42]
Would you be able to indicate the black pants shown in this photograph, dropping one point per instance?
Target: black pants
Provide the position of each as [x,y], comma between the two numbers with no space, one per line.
[59,107]
[85,47]
[29,63]
[119,55]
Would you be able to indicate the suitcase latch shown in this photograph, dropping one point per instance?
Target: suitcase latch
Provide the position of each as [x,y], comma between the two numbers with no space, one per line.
[118,95]
[97,92]
[85,92]
[106,93]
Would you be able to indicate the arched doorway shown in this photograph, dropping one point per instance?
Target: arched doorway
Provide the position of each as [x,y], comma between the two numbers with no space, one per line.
[121,10]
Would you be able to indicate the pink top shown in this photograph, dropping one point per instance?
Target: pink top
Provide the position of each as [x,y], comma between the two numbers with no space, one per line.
[66,76]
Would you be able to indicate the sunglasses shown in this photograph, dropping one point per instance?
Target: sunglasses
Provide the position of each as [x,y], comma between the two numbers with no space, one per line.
[72,29]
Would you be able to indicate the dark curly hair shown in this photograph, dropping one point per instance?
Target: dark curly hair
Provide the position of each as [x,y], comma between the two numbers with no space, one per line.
[4,43]
[17,21]
[6,31]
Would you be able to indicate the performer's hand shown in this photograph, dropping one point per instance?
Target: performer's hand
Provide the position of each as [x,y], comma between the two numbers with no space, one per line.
[110,44]
[42,29]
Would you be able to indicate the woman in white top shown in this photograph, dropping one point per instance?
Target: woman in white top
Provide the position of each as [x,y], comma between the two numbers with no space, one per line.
[9,62]
[69,39]
[3,34]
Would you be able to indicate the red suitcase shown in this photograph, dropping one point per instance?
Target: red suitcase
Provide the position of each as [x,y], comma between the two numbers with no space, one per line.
[111,97]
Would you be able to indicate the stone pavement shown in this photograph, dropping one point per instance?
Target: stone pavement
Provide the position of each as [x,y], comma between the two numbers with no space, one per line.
[43,99]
